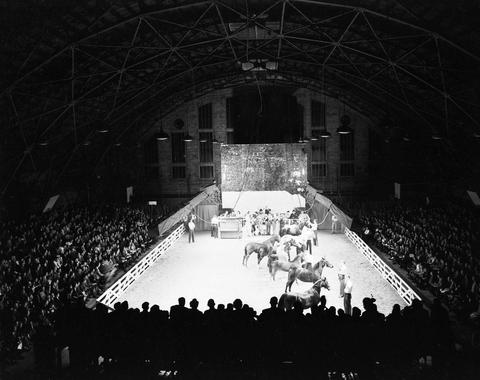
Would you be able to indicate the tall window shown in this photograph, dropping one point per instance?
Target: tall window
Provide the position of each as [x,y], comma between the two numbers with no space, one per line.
[319,151]
[205,116]
[319,146]
[150,150]
[317,114]
[229,117]
[178,148]
[205,148]
[178,155]
[319,158]
[347,155]
[347,151]
[229,113]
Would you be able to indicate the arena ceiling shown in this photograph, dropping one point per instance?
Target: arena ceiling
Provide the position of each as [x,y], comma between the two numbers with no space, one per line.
[70,70]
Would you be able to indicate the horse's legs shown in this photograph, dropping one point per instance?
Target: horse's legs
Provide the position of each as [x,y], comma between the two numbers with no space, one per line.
[291,278]
[245,259]
[259,257]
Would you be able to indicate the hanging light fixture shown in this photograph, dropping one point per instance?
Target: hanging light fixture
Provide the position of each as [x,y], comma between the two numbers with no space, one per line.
[324,134]
[187,137]
[436,136]
[162,135]
[101,127]
[344,128]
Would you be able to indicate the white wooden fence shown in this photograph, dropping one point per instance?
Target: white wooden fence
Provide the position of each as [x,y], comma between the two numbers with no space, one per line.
[402,288]
[111,295]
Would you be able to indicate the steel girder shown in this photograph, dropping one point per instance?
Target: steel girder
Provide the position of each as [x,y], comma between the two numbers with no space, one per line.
[117,63]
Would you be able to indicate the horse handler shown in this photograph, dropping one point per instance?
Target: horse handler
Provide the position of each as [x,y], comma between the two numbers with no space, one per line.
[191,231]
[347,296]
[214,226]
[342,271]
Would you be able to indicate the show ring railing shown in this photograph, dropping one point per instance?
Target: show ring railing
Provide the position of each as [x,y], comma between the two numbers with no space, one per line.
[111,295]
[402,288]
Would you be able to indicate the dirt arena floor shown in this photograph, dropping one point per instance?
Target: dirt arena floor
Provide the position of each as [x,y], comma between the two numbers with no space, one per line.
[212,268]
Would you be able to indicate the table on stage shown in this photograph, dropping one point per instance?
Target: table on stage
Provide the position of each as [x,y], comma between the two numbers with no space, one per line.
[230,227]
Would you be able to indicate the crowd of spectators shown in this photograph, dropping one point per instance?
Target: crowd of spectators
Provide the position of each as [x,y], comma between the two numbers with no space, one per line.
[231,336]
[58,257]
[436,243]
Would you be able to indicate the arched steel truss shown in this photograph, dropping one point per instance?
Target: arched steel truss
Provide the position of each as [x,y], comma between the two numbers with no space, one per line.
[121,63]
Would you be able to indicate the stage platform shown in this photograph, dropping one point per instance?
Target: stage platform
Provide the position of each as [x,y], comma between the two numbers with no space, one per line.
[212,268]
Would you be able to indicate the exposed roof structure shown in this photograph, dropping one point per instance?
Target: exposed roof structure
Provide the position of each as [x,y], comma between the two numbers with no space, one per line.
[69,72]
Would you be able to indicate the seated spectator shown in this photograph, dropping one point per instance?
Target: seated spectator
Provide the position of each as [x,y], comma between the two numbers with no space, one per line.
[59,257]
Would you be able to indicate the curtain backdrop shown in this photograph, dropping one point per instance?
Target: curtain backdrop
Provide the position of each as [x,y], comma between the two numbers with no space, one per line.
[321,202]
[204,215]
[320,212]
[186,210]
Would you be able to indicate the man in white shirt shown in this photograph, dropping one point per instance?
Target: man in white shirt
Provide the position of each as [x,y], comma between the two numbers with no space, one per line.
[214,224]
[315,231]
[342,271]
[191,231]
[308,236]
[347,296]
[334,223]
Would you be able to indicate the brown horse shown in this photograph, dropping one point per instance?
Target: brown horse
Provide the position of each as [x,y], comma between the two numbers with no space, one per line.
[309,298]
[262,249]
[274,264]
[307,275]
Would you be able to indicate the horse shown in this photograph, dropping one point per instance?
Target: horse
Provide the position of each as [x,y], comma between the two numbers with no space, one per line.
[262,249]
[306,274]
[309,298]
[287,241]
[274,264]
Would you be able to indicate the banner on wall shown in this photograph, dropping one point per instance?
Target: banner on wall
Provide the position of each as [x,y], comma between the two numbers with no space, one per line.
[129,193]
[328,205]
[474,197]
[51,202]
[186,210]
[397,189]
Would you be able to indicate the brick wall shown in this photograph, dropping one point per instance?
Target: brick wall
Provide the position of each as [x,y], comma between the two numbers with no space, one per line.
[332,182]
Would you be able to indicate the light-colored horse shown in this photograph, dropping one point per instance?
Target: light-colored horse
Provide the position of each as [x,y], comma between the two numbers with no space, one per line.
[275,264]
